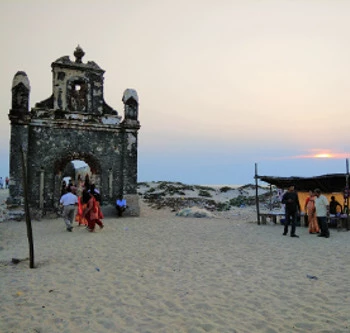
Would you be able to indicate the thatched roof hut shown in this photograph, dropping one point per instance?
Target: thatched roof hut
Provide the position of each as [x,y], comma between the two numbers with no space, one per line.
[327,183]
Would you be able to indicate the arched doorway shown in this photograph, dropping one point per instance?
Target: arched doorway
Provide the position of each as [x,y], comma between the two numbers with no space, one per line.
[77,174]
[77,167]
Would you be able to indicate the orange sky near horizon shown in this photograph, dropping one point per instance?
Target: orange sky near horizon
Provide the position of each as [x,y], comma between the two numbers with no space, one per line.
[325,154]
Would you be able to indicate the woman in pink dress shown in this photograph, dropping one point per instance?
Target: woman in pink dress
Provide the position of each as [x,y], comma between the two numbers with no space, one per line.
[311,214]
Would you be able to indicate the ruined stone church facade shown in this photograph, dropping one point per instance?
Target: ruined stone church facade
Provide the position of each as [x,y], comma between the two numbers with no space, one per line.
[74,123]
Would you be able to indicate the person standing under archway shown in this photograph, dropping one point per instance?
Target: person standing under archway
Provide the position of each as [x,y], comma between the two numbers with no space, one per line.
[69,201]
[91,212]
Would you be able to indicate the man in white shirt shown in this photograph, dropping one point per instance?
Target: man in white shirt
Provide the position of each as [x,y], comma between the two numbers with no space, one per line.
[322,212]
[69,201]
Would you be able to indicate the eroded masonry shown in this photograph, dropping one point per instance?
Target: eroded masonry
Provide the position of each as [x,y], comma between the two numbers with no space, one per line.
[74,123]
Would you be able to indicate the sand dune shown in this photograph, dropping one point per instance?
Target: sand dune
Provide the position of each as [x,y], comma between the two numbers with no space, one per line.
[164,273]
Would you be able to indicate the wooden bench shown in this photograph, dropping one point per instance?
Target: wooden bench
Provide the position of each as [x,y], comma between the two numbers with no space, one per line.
[339,222]
[271,215]
[274,216]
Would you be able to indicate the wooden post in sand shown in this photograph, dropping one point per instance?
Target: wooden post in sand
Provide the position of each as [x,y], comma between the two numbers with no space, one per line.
[347,194]
[257,193]
[27,212]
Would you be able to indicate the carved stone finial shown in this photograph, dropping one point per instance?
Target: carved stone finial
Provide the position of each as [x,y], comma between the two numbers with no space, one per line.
[20,91]
[79,54]
[131,104]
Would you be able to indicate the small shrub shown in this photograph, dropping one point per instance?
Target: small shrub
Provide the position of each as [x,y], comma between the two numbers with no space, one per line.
[240,200]
[143,184]
[204,188]
[222,206]
[204,193]
[225,189]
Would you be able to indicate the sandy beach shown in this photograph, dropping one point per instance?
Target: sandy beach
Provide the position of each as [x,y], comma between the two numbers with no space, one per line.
[163,273]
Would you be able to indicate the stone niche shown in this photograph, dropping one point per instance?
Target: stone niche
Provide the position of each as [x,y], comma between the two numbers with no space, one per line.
[74,123]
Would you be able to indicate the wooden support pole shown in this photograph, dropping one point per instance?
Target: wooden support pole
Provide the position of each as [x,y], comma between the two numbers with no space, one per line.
[257,193]
[27,212]
[347,194]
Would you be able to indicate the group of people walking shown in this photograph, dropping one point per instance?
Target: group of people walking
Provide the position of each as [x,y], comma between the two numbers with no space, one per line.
[87,199]
[316,207]
[88,203]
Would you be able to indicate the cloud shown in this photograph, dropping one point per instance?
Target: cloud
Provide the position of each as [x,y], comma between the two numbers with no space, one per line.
[323,153]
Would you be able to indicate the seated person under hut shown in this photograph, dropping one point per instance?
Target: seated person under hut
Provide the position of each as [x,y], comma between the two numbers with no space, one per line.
[333,206]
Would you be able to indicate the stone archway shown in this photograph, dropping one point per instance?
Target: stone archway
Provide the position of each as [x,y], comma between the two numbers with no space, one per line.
[89,159]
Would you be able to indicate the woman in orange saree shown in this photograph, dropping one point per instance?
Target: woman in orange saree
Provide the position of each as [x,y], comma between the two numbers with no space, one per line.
[97,196]
[92,212]
[79,218]
[311,213]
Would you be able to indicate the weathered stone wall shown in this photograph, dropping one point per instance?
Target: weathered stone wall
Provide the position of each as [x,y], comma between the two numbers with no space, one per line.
[100,150]
[130,162]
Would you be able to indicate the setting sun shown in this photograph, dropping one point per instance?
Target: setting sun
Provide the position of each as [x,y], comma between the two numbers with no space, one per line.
[323,155]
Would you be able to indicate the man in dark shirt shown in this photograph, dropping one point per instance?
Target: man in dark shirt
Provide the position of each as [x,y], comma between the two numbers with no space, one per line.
[292,206]
[333,206]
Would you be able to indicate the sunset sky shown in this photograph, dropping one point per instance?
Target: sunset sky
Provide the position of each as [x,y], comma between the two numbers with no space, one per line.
[222,84]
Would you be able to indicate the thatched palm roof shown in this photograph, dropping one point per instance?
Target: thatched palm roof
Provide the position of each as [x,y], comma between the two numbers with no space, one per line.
[326,183]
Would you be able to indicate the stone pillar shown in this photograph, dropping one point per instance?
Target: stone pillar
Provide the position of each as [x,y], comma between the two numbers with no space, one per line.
[110,183]
[130,173]
[131,126]
[41,189]
[57,189]
[19,117]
